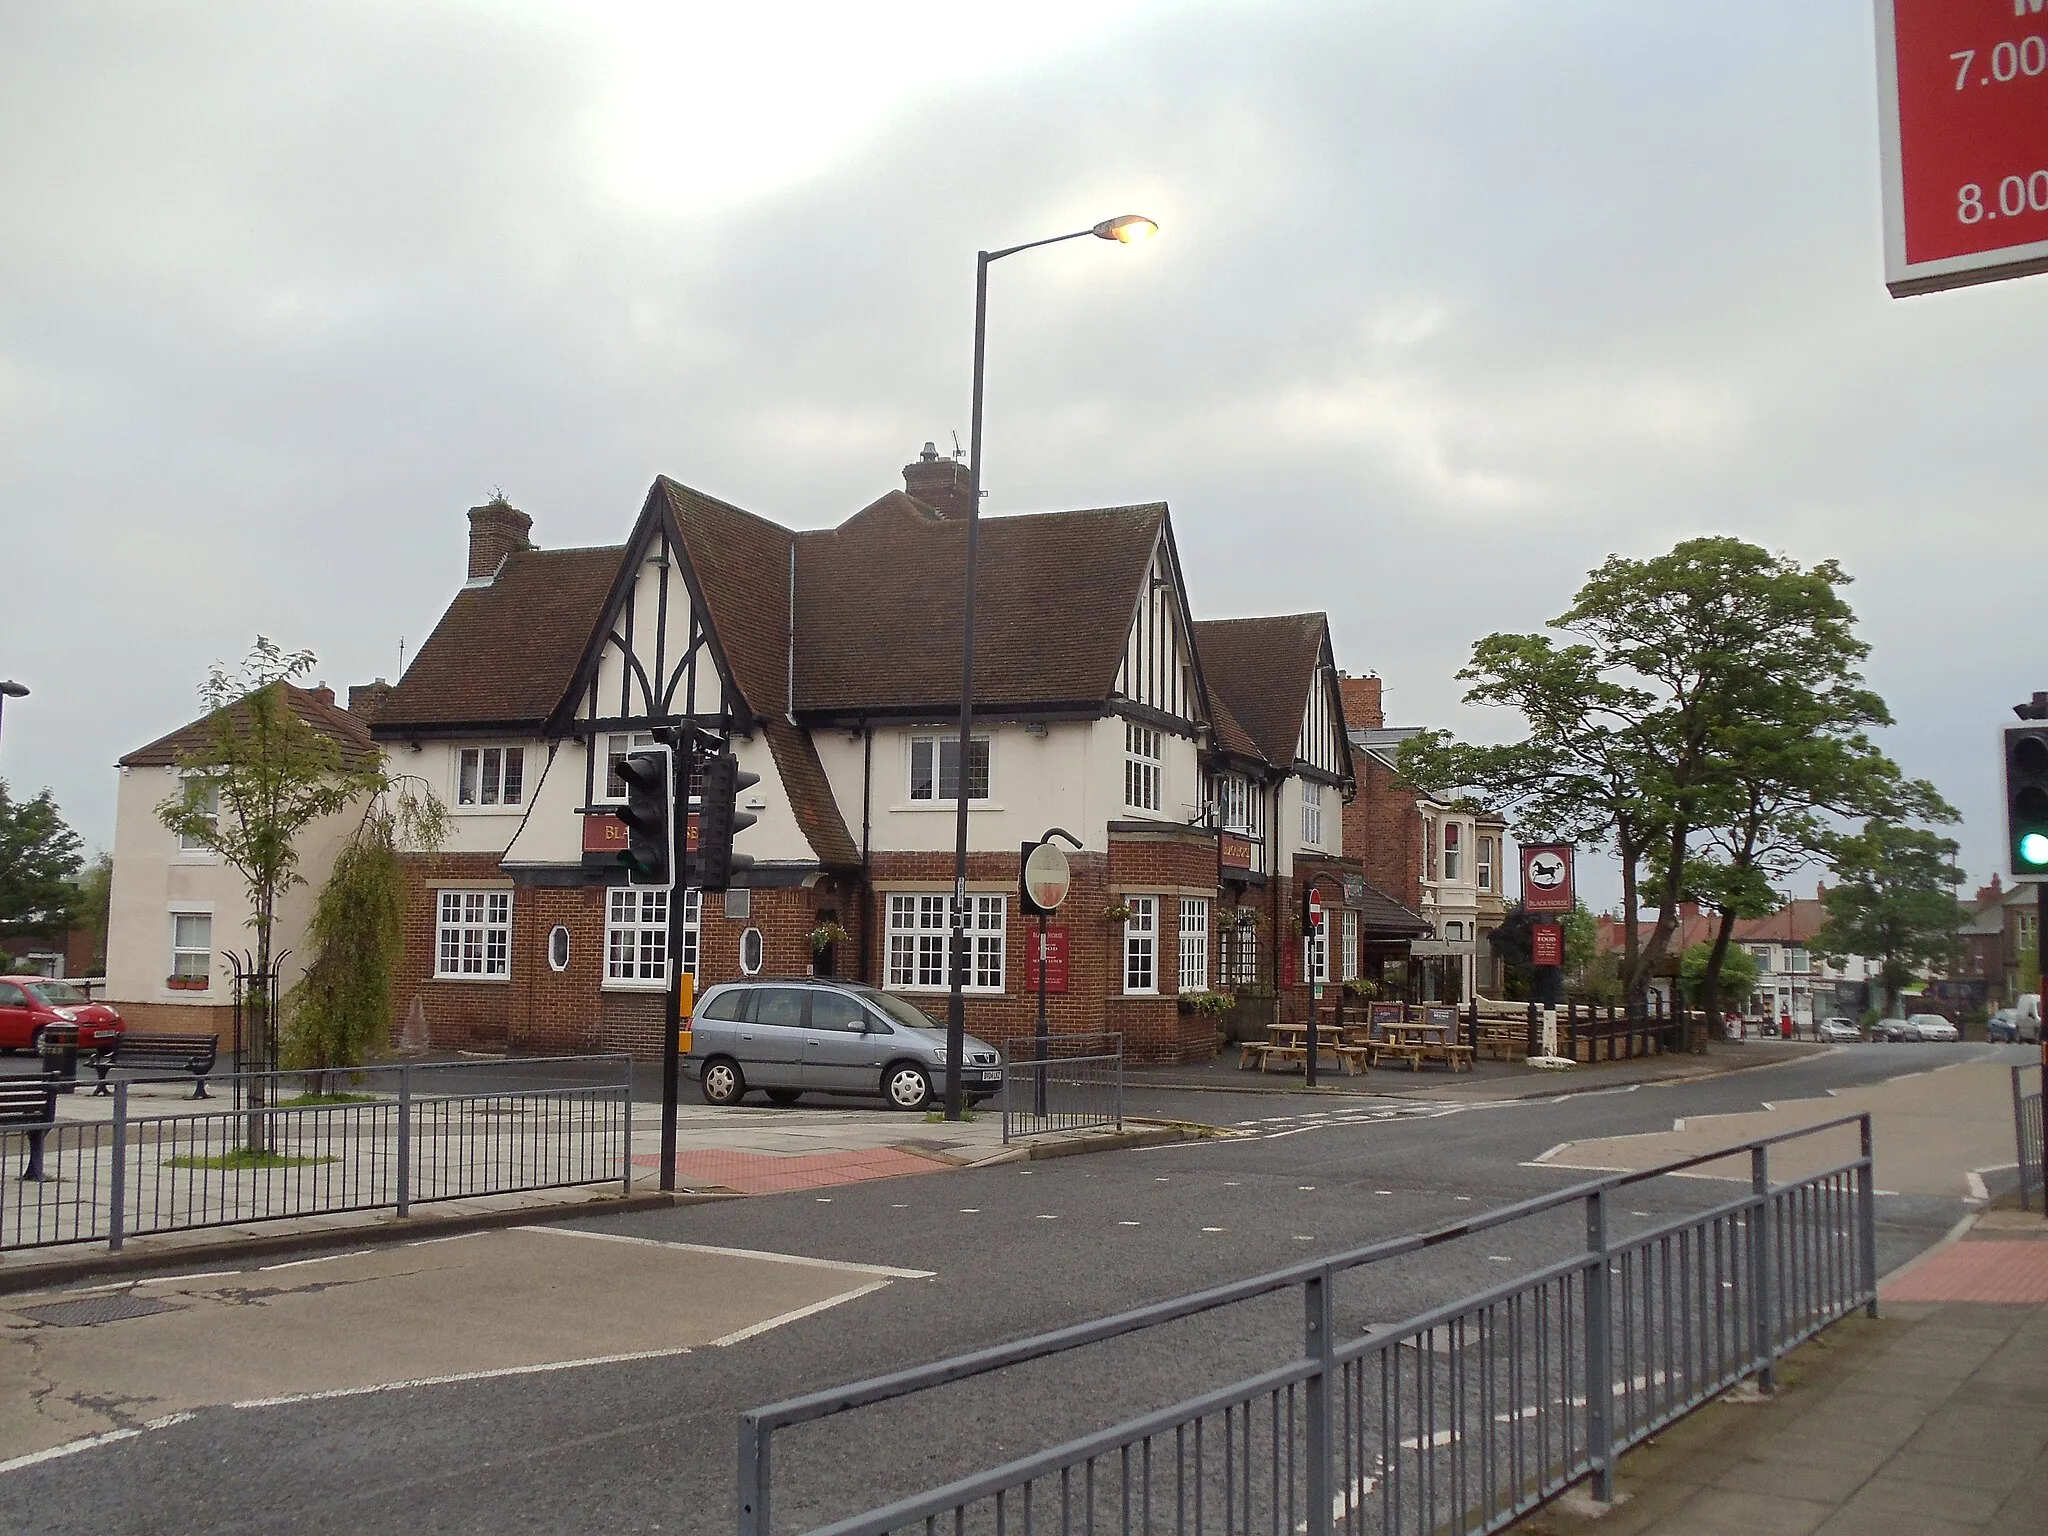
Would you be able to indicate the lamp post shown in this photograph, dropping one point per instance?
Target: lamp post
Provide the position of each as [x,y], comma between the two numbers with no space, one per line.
[1126,229]
[12,690]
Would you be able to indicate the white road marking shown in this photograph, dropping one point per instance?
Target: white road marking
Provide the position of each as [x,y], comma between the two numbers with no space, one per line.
[1212,1229]
[1127,1223]
[90,1442]
[801,1312]
[887,1270]
[325,1258]
[546,1367]
[204,1274]
[1043,1217]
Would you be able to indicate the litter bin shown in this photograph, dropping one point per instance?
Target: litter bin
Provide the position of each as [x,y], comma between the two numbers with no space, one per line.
[58,1046]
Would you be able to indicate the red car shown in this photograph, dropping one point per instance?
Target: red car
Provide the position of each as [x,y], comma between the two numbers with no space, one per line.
[27,1003]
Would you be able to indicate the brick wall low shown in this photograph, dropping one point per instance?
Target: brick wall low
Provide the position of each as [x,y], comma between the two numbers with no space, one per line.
[217,1020]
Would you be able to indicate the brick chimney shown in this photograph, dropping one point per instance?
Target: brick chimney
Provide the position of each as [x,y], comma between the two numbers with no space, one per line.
[323,694]
[366,699]
[941,484]
[496,529]
[1362,708]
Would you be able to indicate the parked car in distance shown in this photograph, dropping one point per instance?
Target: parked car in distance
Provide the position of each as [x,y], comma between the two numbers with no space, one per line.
[1919,1026]
[1840,1031]
[28,1003]
[807,1034]
[2002,1025]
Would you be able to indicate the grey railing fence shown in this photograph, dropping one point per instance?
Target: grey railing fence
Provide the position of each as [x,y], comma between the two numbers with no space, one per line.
[2027,1135]
[367,1138]
[1072,1083]
[1461,1418]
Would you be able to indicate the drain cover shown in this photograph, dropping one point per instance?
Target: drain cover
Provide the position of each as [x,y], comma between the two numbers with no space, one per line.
[88,1310]
[924,1145]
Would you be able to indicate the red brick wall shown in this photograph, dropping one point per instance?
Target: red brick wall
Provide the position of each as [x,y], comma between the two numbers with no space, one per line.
[1383,831]
[217,1020]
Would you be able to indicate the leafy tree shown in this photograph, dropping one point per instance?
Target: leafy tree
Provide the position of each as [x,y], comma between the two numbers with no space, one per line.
[39,861]
[1699,967]
[1674,668]
[95,905]
[261,776]
[341,1007]
[1894,902]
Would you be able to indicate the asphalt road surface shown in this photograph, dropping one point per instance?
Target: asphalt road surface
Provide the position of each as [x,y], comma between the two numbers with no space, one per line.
[646,1444]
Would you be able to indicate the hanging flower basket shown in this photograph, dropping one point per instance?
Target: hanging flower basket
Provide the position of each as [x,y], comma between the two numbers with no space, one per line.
[827,934]
[1117,912]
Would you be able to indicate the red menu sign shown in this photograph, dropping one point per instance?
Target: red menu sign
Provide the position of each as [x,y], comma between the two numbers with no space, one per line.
[1963,99]
[1055,960]
[1546,944]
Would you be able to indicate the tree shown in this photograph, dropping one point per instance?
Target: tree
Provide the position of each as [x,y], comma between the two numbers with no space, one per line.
[39,861]
[342,1005]
[1674,664]
[1894,902]
[1736,970]
[95,905]
[261,776]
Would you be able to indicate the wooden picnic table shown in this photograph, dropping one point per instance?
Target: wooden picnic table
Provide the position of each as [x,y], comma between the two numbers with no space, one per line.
[1287,1045]
[1415,1042]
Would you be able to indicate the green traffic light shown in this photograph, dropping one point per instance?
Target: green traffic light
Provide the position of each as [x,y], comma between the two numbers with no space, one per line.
[2034,849]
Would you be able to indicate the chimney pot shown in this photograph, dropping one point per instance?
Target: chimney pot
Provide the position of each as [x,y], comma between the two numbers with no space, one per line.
[496,529]
[323,693]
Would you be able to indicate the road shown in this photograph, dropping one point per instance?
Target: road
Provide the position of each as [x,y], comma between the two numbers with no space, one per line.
[646,1443]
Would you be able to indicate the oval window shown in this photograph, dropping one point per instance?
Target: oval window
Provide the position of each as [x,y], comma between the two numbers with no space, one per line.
[750,952]
[558,948]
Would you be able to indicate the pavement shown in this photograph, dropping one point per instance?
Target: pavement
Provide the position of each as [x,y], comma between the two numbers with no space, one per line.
[1486,1081]
[1929,1420]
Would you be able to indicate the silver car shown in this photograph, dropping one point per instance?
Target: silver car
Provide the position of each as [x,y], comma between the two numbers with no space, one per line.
[1840,1031]
[1918,1026]
[806,1034]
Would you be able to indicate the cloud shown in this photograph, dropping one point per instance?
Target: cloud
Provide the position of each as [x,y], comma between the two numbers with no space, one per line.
[1450,302]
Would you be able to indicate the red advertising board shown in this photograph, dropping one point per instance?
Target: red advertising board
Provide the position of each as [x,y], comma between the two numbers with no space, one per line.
[1546,877]
[1237,851]
[1055,960]
[1963,103]
[1546,944]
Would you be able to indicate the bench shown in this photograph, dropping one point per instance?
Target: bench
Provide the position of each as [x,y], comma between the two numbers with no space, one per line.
[29,1103]
[1459,1057]
[158,1053]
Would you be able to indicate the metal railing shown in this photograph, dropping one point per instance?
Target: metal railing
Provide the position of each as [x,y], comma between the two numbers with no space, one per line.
[2027,1135]
[367,1138]
[1461,1418]
[1071,1083]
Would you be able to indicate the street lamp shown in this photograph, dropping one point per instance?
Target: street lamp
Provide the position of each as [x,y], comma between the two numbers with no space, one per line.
[12,690]
[1126,229]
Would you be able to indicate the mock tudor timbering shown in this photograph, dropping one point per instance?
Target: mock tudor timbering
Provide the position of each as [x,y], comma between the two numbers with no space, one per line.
[1201,765]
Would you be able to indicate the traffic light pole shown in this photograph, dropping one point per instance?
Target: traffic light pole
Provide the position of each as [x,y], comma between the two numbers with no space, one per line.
[681,759]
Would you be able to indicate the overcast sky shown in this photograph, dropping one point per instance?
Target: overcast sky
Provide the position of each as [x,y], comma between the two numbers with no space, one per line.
[1451,301]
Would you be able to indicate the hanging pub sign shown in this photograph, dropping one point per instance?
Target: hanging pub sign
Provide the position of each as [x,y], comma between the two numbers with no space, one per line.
[1546,877]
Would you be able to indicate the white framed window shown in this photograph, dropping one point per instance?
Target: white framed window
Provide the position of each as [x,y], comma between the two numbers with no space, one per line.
[1241,956]
[192,945]
[207,793]
[1454,931]
[1350,960]
[920,932]
[753,952]
[1485,867]
[490,776]
[636,935]
[1141,944]
[1144,766]
[1453,853]
[558,948]
[1797,961]
[1311,813]
[1238,808]
[935,769]
[1761,954]
[474,935]
[614,748]
[1194,944]
[1315,952]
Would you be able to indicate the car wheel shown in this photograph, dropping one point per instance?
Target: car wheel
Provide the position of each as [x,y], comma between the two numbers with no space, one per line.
[723,1082]
[784,1096]
[907,1085]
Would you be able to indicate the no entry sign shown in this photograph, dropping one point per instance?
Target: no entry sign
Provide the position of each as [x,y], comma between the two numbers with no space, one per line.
[1963,103]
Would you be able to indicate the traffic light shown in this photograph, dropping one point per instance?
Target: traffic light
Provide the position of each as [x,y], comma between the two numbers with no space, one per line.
[649,815]
[2026,799]
[721,820]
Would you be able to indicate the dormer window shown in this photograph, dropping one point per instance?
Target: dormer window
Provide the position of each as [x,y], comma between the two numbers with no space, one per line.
[490,776]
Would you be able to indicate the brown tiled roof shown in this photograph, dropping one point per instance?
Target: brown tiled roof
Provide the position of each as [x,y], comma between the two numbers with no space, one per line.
[328,718]
[504,654]
[741,563]
[879,598]
[1230,735]
[1796,922]
[810,795]
[1386,918]
[1261,669]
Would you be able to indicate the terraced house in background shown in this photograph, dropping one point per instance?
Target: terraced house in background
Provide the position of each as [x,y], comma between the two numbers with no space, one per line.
[1203,767]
